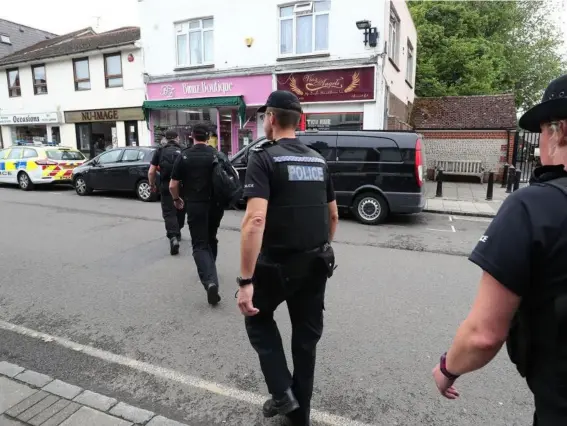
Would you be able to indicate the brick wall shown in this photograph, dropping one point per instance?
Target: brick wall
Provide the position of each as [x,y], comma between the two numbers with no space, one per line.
[490,147]
[396,124]
[398,108]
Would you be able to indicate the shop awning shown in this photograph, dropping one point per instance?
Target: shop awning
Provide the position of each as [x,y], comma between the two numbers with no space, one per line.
[218,102]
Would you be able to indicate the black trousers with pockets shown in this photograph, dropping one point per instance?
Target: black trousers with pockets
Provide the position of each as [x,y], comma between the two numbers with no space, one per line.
[174,219]
[204,219]
[304,294]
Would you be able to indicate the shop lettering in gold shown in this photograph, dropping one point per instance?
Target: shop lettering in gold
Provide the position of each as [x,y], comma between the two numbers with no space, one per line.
[105,115]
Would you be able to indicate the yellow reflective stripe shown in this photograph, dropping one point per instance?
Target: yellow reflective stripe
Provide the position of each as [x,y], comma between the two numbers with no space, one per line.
[10,165]
[60,174]
[31,165]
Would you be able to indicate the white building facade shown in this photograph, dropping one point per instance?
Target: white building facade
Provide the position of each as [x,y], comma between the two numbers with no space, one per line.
[83,90]
[217,61]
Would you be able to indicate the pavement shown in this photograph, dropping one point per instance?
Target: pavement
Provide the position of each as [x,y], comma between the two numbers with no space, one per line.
[34,399]
[90,296]
[464,199]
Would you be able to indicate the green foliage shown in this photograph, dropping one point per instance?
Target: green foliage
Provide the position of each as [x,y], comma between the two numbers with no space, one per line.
[487,47]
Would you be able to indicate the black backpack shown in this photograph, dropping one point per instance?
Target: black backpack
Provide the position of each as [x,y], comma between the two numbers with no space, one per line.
[227,189]
[168,155]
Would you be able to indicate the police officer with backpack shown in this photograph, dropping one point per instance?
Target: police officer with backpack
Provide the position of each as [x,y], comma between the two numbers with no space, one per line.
[290,220]
[194,170]
[164,158]
[522,298]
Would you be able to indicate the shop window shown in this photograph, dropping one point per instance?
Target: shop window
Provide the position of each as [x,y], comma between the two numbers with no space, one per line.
[334,121]
[30,153]
[14,89]
[304,28]
[113,70]
[394,36]
[194,42]
[29,134]
[39,80]
[82,74]
[110,156]
[410,64]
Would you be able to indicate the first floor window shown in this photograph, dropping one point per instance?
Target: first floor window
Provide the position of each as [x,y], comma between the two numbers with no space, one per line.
[410,64]
[14,89]
[304,28]
[194,42]
[39,80]
[113,70]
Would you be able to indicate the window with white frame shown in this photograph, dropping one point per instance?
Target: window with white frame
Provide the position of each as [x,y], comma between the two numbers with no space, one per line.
[304,27]
[394,36]
[410,64]
[194,42]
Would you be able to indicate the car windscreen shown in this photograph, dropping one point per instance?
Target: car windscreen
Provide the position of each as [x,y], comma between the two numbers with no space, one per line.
[62,155]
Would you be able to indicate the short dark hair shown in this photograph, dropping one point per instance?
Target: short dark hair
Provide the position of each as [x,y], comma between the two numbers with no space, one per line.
[171,134]
[285,118]
[201,132]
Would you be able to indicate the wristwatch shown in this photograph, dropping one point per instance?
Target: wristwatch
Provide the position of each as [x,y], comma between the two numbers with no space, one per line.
[243,281]
[443,368]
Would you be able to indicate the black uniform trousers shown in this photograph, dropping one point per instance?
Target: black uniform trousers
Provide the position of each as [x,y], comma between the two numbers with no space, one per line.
[174,219]
[304,293]
[204,219]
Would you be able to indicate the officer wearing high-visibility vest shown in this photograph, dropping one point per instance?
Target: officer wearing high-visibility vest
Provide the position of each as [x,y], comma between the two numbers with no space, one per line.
[290,220]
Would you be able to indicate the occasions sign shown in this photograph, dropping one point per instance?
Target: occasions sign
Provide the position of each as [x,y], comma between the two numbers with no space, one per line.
[356,84]
[27,119]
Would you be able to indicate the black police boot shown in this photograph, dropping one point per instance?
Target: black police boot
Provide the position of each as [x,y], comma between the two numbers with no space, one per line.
[282,406]
[173,246]
[213,296]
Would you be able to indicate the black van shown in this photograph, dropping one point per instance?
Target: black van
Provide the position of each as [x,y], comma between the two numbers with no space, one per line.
[375,173]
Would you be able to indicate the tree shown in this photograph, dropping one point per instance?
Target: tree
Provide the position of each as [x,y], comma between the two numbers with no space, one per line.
[486,47]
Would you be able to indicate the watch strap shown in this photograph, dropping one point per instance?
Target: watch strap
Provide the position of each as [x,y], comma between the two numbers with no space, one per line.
[243,281]
[443,368]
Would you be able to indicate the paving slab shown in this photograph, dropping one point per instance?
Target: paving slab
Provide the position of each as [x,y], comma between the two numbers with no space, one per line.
[134,414]
[46,414]
[62,389]
[62,415]
[16,410]
[35,379]
[10,370]
[95,400]
[88,417]
[162,421]
[38,408]
[5,421]
[13,393]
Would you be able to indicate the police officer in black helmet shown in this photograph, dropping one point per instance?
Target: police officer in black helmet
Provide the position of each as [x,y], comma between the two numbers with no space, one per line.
[522,296]
[164,158]
[291,217]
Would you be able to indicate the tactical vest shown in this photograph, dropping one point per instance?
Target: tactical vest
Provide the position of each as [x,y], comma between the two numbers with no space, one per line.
[298,214]
[168,155]
[197,179]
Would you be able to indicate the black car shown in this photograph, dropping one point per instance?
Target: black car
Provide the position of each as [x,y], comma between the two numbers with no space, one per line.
[375,173]
[119,169]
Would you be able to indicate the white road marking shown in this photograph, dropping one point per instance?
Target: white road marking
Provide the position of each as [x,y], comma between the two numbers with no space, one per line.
[168,374]
[440,230]
[473,219]
[450,218]
[453,228]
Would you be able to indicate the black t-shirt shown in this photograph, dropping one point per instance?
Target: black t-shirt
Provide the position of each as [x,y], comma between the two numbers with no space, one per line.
[259,173]
[525,249]
[194,169]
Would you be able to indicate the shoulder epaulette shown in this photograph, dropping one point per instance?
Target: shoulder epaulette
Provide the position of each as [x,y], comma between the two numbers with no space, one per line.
[263,145]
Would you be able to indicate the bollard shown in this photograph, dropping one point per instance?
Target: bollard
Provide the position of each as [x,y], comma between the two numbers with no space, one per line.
[439,192]
[517,180]
[511,179]
[505,175]
[490,187]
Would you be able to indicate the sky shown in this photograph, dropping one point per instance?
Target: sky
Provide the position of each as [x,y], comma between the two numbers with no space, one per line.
[60,17]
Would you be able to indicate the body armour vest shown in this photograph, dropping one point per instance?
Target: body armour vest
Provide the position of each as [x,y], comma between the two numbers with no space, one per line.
[168,155]
[298,214]
[197,179]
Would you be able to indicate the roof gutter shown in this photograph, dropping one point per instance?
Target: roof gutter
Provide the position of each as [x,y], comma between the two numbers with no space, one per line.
[98,50]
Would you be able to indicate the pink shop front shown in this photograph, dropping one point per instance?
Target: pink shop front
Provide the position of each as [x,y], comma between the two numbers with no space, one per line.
[228,105]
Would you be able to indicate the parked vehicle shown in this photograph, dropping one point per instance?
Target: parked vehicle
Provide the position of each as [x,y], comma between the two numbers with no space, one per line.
[28,164]
[375,173]
[118,169]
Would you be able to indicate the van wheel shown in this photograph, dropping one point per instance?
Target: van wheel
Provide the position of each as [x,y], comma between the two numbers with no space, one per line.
[24,182]
[370,208]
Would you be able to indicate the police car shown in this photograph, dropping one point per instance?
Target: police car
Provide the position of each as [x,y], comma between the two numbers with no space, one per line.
[28,165]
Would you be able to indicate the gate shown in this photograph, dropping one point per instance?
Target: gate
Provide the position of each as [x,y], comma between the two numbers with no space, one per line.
[526,154]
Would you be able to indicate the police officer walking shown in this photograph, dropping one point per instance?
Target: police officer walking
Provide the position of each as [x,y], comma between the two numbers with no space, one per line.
[164,158]
[523,290]
[290,220]
[194,169]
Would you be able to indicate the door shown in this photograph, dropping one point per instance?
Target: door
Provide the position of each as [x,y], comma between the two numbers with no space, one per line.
[125,176]
[102,171]
[11,165]
[131,128]
[3,173]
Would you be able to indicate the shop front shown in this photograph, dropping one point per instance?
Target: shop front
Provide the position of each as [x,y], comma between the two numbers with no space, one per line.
[101,129]
[339,99]
[30,128]
[228,105]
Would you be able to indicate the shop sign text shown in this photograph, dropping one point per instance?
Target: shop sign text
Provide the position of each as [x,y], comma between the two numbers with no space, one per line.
[107,115]
[23,119]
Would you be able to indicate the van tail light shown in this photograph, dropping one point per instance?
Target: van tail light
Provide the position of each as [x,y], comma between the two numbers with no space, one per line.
[45,163]
[418,163]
